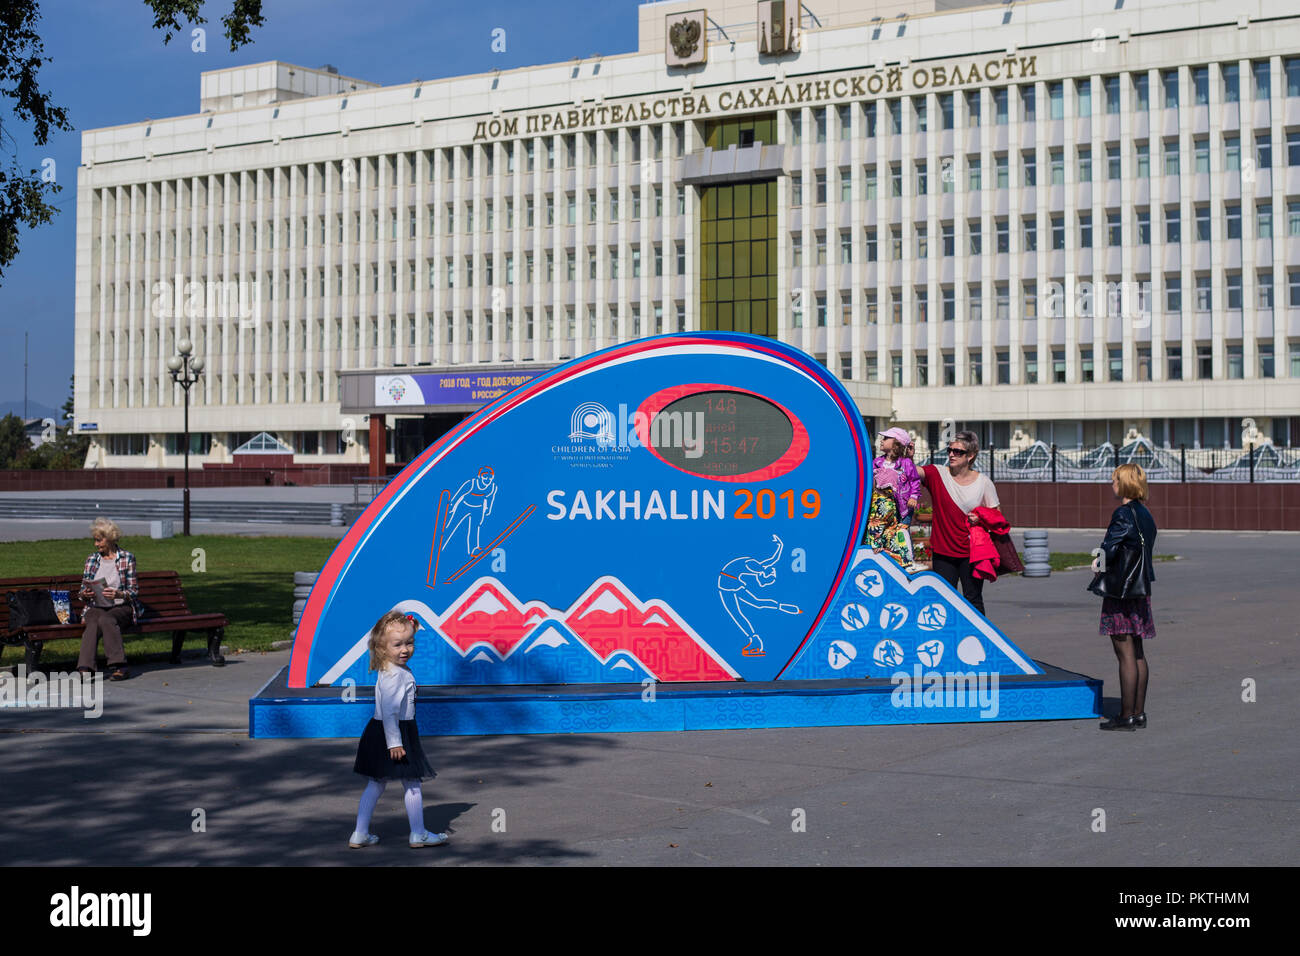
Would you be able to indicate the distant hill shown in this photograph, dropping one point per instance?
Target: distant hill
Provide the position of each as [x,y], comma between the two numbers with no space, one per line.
[34,410]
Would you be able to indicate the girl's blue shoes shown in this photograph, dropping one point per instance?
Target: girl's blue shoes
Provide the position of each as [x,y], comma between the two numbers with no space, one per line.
[426,839]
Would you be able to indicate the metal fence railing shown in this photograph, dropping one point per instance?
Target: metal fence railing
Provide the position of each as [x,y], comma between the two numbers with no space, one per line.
[1044,462]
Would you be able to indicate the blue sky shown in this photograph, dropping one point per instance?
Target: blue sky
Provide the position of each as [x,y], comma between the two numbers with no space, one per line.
[107,66]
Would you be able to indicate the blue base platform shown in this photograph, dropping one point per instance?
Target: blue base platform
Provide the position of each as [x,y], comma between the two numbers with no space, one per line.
[277,712]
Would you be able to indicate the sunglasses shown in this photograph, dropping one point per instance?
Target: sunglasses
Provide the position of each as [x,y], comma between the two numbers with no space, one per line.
[958,451]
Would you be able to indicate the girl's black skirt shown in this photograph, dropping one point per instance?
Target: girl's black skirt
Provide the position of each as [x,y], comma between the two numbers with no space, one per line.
[373,759]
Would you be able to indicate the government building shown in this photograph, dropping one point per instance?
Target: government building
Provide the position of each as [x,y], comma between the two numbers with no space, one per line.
[1064,220]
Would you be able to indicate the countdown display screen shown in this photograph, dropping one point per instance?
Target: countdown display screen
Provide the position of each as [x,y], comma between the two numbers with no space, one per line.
[735,433]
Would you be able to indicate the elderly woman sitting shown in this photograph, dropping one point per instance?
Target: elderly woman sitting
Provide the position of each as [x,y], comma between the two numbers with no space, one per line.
[118,603]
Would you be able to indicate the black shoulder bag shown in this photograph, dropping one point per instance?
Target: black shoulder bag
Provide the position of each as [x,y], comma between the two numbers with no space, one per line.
[1124,576]
[30,608]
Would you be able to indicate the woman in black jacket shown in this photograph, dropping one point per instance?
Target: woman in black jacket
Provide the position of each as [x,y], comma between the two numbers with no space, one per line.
[1127,621]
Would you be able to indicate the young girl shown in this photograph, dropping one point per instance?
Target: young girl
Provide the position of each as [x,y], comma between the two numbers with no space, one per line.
[390,746]
[894,445]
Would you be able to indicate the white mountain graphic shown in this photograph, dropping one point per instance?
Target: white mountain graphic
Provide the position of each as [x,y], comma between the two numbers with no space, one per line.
[654,617]
[607,602]
[485,603]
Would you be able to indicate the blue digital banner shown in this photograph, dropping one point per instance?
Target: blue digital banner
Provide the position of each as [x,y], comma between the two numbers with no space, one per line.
[468,387]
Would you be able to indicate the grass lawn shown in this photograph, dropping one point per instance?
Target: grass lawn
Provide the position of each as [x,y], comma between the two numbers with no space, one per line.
[250,580]
[1060,560]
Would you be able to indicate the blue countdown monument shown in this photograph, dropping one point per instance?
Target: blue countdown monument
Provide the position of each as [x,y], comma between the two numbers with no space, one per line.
[660,536]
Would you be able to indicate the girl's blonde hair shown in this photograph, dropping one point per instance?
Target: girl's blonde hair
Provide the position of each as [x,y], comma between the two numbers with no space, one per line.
[378,660]
[1132,481]
[107,528]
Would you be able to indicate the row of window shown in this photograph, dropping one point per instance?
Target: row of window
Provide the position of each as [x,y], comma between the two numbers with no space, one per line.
[1002,97]
[950,176]
[1109,369]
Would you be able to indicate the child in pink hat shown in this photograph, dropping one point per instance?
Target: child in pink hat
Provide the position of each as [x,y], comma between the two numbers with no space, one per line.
[896,456]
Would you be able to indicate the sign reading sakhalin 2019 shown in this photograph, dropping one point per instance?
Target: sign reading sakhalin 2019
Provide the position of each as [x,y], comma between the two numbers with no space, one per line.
[681,508]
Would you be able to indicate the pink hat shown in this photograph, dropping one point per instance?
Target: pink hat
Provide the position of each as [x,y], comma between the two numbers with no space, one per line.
[899,435]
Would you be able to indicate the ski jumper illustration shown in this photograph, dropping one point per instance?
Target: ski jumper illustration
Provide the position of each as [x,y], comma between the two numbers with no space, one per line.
[734,583]
[470,505]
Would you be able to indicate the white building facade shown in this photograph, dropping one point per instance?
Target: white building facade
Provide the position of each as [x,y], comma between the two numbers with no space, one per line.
[1054,220]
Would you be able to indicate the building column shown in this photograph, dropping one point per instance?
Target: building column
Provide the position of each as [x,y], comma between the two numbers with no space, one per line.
[378,447]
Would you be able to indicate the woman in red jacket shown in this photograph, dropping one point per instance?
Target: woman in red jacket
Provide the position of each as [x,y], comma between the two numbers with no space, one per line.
[956,491]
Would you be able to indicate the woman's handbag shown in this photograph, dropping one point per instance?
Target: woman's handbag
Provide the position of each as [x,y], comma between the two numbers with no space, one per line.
[1124,576]
[30,608]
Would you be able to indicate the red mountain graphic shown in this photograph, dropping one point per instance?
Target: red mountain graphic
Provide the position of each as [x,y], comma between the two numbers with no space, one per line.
[489,613]
[609,619]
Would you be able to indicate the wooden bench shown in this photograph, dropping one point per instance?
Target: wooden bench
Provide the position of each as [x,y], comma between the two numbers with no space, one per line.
[161,595]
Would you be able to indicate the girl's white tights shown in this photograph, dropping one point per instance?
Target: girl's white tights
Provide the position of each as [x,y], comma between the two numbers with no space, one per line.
[414,804]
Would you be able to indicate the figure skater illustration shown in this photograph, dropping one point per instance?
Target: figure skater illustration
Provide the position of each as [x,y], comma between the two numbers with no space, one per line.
[469,506]
[734,582]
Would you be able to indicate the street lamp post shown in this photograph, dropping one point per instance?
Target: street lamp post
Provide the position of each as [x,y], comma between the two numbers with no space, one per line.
[185,372]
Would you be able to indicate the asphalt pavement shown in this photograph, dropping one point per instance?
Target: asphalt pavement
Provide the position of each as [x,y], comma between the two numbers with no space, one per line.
[1211,781]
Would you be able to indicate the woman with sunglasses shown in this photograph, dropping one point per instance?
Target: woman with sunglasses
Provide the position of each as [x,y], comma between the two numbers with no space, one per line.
[956,492]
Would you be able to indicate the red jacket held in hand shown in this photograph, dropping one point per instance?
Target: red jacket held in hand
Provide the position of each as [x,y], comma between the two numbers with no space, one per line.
[991,547]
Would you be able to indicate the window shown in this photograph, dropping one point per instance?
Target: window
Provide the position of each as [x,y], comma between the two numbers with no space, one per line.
[821,189]
[895,117]
[1204,361]
[1260,69]
[1232,286]
[1263,150]
[1202,223]
[1029,294]
[1266,368]
[846,248]
[1004,367]
[1031,367]
[1144,227]
[895,243]
[1003,235]
[895,180]
[974,304]
[1056,162]
[819,120]
[846,121]
[1171,157]
[1169,85]
[1030,225]
[1110,89]
[922,305]
[1264,290]
[1115,364]
[1264,221]
[1058,232]
[1232,154]
[1112,162]
[1027,103]
[922,369]
[973,108]
[1204,293]
[948,238]
[796,191]
[1293,148]
[1140,93]
[1201,86]
[1173,294]
[796,128]
[1029,162]
[1000,106]
[1236,366]
[922,118]
[1233,215]
[973,228]
[1085,164]
[1083,97]
[846,186]
[896,370]
[1173,224]
[1002,165]
[1201,153]
[945,110]
[973,164]
[1143,161]
[947,174]
[1058,365]
[1231,86]
[975,368]
[922,243]
[1294,351]
[1056,101]
[871,245]
[869,303]
[1002,301]
[1144,363]
[1085,364]
[821,248]
[1173,362]
[949,295]
[921,183]
[1293,289]
[1114,229]
[1291,67]
[869,181]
